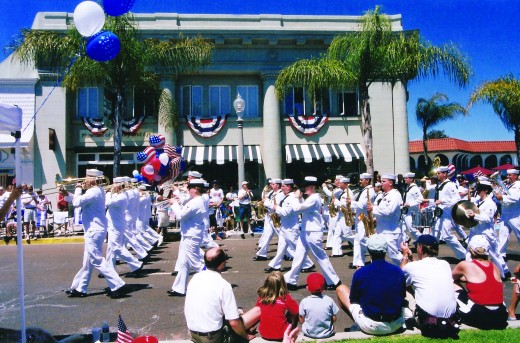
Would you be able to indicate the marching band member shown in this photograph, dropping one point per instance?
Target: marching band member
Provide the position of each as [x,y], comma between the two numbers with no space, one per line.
[95,227]
[207,241]
[510,209]
[379,192]
[359,205]
[192,227]
[143,219]
[311,237]
[387,213]
[486,225]
[447,195]
[412,199]
[263,244]
[331,220]
[133,214]
[130,238]
[342,231]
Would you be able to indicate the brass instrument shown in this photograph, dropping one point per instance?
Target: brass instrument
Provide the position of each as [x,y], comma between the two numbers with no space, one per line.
[498,185]
[101,181]
[347,212]
[161,205]
[260,208]
[333,212]
[368,221]
[275,217]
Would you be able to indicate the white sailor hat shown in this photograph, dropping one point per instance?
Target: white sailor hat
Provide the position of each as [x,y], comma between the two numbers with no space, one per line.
[142,187]
[133,180]
[287,181]
[119,179]
[442,169]
[127,178]
[310,181]
[278,181]
[365,176]
[338,177]
[244,183]
[482,178]
[388,176]
[409,175]
[344,180]
[94,173]
[378,184]
[195,174]
[513,171]
[485,182]
[196,183]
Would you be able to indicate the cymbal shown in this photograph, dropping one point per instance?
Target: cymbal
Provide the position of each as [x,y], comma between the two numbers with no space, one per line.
[458,213]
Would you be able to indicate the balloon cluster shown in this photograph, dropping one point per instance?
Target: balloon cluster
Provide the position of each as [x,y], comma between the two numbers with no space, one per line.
[89,18]
[161,161]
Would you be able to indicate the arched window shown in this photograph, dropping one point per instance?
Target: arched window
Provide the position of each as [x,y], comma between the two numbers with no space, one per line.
[444,160]
[490,162]
[505,159]
[412,164]
[475,161]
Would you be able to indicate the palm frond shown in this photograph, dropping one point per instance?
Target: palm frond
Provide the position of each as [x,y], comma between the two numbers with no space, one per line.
[167,110]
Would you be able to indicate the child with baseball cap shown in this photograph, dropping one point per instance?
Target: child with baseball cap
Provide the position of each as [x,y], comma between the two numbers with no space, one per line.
[317,311]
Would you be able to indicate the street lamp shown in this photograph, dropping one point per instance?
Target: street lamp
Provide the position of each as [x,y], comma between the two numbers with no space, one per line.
[239,104]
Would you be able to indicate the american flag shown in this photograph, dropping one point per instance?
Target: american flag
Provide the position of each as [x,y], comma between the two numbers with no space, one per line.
[478,174]
[123,335]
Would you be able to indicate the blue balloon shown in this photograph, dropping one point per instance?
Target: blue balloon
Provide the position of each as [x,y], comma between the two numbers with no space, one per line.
[140,178]
[117,7]
[164,170]
[103,46]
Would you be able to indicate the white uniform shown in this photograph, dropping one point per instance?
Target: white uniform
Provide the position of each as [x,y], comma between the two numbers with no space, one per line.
[207,240]
[414,198]
[269,229]
[310,240]
[359,205]
[486,227]
[95,226]
[341,230]
[510,215]
[331,221]
[116,206]
[387,214]
[192,229]
[130,237]
[448,193]
[145,213]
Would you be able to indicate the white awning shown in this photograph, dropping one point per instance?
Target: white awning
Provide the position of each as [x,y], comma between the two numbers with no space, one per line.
[25,101]
[326,152]
[220,154]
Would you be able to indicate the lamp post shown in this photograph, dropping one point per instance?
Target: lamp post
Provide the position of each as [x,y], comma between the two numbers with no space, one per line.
[239,104]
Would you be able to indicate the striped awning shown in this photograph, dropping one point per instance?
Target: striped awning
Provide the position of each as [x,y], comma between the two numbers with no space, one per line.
[220,154]
[326,152]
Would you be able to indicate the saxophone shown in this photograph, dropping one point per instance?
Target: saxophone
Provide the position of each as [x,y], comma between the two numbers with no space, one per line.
[368,221]
[260,208]
[347,212]
[275,217]
[332,208]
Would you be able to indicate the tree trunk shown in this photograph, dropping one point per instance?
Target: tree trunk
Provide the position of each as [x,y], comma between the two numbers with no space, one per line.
[517,143]
[366,129]
[118,132]
[425,149]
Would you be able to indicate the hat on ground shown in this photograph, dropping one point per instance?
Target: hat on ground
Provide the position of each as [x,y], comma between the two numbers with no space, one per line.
[479,244]
[409,175]
[195,174]
[365,176]
[196,183]
[513,171]
[344,180]
[377,243]
[388,176]
[427,240]
[315,282]
[94,173]
[378,184]
[277,181]
[310,181]
[442,169]
[245,183]
[287,181]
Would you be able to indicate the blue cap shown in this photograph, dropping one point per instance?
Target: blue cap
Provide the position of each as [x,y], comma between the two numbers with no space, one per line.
[427,240]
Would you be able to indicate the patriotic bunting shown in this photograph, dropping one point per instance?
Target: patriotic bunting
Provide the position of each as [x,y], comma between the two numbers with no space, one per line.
[96,126]
[206,127]
[308,124]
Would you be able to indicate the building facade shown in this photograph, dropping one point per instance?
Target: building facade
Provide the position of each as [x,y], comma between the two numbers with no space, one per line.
[287,137]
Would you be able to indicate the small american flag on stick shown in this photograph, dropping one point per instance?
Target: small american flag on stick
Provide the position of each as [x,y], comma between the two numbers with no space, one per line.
[123,335]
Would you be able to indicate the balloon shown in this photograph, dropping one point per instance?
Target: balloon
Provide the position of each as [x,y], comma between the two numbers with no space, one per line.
[117,7]
[164,159]
[103,46]
[157,177]
[89,18]
[155,163]
[148,170]
[164,170]
[139,178]
[135,173]
[157,141]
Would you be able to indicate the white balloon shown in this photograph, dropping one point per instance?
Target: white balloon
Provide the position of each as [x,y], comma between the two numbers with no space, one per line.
[89,18]
[135,173]
[164,158]
[148,169]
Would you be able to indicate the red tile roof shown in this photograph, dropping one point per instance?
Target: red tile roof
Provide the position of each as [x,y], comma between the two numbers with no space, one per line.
[453,144]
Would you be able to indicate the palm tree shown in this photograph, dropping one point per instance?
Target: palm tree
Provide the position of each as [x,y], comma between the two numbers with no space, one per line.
[431,112]
[503,94]
[137,65]
[436,134]
[376,53]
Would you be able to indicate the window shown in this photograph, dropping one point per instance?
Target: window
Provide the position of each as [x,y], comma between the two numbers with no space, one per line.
[295,102]
[88,104]
[191,103]
[348,104]
[250,96]
[322,103]
[219,100]
[298,103]
[145,103]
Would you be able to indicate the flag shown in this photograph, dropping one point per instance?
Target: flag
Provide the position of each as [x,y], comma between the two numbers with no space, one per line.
[123,335]
[478,174]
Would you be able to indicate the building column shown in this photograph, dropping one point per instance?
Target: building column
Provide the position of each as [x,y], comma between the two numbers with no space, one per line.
[272,136]
[170,134]
[400,122]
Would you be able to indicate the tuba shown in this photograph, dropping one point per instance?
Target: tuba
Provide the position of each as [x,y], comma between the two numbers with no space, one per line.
[368,221]
[498,185]
[347,212]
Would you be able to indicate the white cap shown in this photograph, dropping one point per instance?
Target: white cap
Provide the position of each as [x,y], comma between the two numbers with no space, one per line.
[409,175]
[338,177]
[388,176]
[287,181]
[485,182]
[483,178]
[278,181]
[378,184]
[513,171]
[94,173]
[195,174]
[244,183]
[142,187]
[119,179]
[479,244]
[196,183]
[377,243]
[134,180]
[344,180]
[442,169]
[365,176]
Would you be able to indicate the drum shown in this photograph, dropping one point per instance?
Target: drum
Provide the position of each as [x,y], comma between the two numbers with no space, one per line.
[425,218]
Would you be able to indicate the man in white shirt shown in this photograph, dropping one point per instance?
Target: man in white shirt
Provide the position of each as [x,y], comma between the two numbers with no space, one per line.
[29,202]
[510,209]
[210,300]
[412,199]
[216,196]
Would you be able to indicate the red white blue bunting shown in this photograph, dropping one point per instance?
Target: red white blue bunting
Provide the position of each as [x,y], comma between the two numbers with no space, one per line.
[308,124]
[131,126]
[206,127]
[96,126]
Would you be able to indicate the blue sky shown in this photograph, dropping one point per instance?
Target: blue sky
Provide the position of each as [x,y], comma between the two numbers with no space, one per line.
[486,30]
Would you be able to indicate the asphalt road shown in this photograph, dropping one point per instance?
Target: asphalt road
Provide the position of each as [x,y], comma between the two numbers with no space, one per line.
[50,268]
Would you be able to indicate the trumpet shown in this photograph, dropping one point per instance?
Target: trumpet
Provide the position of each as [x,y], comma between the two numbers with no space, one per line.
[100,181]
[498,185]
